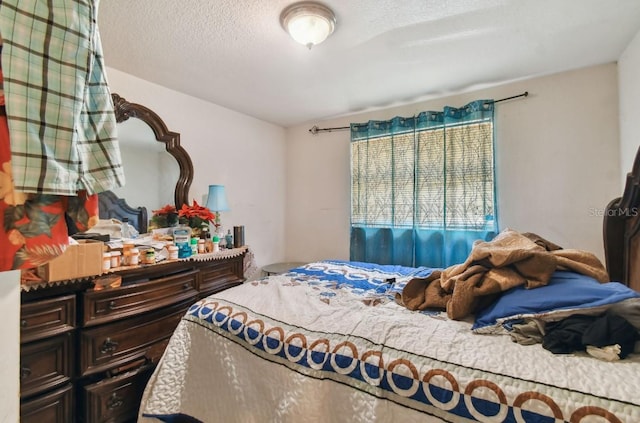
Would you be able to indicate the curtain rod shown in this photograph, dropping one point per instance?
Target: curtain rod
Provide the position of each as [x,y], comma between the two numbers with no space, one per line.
[314,129]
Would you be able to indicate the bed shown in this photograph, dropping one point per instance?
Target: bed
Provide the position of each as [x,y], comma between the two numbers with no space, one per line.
[113,207]
[328,341]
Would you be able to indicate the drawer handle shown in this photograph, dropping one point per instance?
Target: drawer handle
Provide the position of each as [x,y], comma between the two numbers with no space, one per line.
[186,286]
[108,346]
[114,401]
[25,372]
[23,323]
[111,305]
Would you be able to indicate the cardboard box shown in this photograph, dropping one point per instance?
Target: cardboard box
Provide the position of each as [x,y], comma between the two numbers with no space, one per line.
[77,261]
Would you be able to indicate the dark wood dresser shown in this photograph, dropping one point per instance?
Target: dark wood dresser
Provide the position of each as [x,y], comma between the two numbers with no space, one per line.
[87,354]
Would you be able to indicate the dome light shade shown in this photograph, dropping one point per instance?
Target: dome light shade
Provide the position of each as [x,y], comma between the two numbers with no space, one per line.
[309,23]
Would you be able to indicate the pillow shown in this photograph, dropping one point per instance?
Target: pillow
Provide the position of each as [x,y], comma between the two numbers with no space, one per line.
[566,293]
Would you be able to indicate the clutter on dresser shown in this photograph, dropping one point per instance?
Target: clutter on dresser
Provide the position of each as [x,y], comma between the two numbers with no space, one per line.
[89,258]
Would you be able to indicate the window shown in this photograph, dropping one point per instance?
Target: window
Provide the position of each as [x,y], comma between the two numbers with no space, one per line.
[431,172]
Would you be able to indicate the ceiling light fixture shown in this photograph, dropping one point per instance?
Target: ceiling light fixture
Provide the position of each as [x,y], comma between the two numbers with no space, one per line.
[308,22]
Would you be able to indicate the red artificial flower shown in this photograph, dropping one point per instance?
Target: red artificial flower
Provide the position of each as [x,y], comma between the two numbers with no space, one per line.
[168,209]
[197,211]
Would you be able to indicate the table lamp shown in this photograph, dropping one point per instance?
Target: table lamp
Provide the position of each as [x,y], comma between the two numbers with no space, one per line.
[217,202]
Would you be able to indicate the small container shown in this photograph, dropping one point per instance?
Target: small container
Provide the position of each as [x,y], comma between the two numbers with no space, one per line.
[184,250]
[134,257]
[238,236]
[150,256]
[173,252]
[216,244]
[208,245]
[194,246]
[125,232]
[116,259]
[106,261]
[201,246]
[229,239]
[181,239]
[127,245]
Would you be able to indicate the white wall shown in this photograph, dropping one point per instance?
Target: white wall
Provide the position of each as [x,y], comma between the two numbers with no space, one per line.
[10,349]
[629,88]
[558,164]
[244,154]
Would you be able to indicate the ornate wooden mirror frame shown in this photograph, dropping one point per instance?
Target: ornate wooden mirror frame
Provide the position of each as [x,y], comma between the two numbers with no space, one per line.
[112,206]
[125,110]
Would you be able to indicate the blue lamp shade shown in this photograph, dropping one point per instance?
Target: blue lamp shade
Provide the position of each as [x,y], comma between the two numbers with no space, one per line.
[217,199]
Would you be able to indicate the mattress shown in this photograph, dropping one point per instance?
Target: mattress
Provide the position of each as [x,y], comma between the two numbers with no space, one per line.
[326,342]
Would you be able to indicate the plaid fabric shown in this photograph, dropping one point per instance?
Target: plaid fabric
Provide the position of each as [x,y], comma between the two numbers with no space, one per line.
[33,227]
[58,104]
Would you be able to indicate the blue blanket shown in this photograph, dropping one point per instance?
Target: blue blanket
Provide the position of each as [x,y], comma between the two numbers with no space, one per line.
[359,277]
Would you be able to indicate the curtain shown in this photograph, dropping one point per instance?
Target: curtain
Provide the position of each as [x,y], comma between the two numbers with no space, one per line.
[423,187]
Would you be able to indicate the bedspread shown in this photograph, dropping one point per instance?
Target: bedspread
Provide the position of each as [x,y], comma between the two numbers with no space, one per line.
[302,347]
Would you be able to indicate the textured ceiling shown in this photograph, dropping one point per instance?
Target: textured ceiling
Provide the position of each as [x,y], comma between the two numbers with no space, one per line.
[384,52]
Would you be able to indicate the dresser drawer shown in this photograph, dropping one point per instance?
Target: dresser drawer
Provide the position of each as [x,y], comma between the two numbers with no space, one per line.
[53,407]
[112,304]
[219,275]
[116,399]
[108,346]
[46,364]
[44,318]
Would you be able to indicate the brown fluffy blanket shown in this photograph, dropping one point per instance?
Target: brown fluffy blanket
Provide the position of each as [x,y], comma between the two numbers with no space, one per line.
[509,260]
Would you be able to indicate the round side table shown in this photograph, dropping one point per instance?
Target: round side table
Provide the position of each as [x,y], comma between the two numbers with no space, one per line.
[278,268]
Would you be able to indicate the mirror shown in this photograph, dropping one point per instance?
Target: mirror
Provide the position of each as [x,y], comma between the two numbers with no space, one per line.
[151,174]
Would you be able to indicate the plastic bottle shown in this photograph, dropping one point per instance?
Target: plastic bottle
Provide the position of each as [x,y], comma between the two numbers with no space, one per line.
[134,257]
[124,229]
[216,243]
[173,252]
[150,256]
[229,238]
[127,246]
[182,239]
[208,244]
[116,259]
[194,246]
[106,261]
